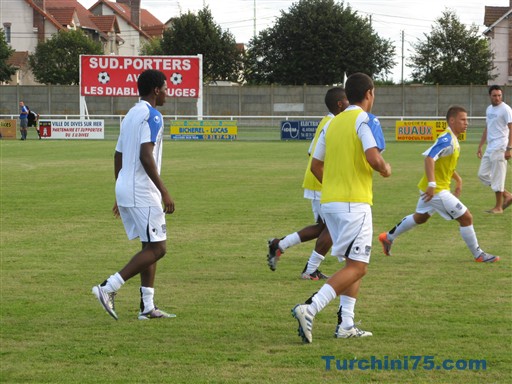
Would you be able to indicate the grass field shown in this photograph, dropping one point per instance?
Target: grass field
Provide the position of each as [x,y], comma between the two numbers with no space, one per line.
[59,238]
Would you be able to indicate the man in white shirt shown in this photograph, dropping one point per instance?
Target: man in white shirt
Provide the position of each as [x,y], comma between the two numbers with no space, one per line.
[142,200]
[498,134]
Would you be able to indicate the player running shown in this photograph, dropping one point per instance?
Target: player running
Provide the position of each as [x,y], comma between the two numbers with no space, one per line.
[435,196]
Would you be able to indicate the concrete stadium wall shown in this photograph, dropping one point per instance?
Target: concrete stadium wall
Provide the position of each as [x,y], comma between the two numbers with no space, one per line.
[392,100]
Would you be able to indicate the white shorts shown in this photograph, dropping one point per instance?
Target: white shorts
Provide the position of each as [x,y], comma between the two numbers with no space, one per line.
[493,170]
[444,203]
[147,223]
[317,211]
[315,197]
[351,229]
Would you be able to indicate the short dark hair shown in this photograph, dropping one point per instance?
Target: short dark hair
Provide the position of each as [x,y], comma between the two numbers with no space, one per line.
[149,80]
[332,97]
[454,110]
[494,88]
[356,87]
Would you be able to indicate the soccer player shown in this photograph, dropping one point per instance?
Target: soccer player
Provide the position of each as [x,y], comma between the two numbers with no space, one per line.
[142,199]
[498,134]
[32,120]
[336,102]
[435,196]
[23,120]
[347,153]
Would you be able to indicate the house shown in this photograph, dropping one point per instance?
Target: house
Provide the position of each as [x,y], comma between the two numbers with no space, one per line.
[137,25]
[498,21]
[120,27]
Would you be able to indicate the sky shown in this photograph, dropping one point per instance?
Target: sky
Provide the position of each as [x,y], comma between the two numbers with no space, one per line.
[388,17]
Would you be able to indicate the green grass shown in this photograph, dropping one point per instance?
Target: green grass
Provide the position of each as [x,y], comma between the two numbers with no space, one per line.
[59,238]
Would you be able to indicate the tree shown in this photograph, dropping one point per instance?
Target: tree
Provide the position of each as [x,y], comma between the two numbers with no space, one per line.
[192,34]
[452,54]
[57,60]
[317,42]
[6,70]
[152,47]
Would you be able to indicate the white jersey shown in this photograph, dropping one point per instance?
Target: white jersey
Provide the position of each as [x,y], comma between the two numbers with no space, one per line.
[134,188]
[497,120]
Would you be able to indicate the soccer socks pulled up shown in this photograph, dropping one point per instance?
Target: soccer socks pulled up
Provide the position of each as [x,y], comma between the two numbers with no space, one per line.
[146,299]
[314,262]
[406,224]
[289,241]
[113,283]
[469,236]
[346,311]
[320,299]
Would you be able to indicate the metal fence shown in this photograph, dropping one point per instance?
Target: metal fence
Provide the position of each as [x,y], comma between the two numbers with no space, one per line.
[259,128]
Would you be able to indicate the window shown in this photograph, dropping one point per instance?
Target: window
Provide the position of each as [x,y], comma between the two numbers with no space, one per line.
[7,32]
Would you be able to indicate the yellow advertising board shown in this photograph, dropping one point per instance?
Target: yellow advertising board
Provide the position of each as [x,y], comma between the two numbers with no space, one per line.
[421,130]
[7,129]
[204,129]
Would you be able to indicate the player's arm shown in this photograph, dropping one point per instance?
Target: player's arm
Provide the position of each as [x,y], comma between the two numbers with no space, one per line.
[317,168]
[377,162]
[148,162]
[508,151]
[430,164]
[458,184]
[118,164]
[482,142]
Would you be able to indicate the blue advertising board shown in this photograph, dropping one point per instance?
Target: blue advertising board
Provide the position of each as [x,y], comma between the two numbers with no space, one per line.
[298,129]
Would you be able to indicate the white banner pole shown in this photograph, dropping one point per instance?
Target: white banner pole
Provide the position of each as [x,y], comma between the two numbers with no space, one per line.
[200,98]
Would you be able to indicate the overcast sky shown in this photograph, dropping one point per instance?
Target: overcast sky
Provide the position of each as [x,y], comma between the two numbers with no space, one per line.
[389,17]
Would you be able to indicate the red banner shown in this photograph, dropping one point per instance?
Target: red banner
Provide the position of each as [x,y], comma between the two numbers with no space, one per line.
[117,75]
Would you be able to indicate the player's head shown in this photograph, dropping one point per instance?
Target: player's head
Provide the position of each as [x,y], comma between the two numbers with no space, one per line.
[360,89]
[496,95]
[22,104]
[457,119]
[336,100]
[152,83]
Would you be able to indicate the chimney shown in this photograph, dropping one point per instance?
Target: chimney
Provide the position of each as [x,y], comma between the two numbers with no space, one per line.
[134,9]
[42,4]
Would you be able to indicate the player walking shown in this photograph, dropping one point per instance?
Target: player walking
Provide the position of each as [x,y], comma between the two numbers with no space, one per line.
[346,155]
[336,102]
[140,194]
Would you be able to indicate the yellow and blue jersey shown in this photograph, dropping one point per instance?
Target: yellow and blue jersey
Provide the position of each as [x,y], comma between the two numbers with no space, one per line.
[445,153]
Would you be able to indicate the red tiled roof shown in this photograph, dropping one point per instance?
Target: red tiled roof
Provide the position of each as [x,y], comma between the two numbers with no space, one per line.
[492,14]
[83,14]
[149,24]
[106,23]
[62,15]
[18,59]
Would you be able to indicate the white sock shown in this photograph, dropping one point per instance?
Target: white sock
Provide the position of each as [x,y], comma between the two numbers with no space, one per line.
[347,305]
[113,283]
[469,236]
[319,301]
[146,299]
[314,262]
[406,224]
[289,241]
